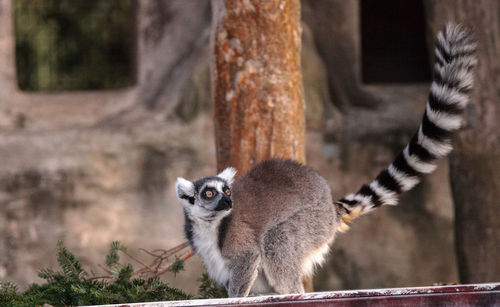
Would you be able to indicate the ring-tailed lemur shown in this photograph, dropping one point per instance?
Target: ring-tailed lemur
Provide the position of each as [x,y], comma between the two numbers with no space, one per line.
[284,220]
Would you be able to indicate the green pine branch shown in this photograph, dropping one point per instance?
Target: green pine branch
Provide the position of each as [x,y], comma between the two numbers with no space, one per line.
[72,286]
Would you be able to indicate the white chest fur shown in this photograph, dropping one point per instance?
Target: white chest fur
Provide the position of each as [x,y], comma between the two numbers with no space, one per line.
[205,240]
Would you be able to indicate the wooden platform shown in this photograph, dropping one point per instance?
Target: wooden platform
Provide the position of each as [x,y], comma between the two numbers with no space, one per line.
[456,295]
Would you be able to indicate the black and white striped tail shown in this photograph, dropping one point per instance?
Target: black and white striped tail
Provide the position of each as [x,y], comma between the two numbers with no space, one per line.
[452,81]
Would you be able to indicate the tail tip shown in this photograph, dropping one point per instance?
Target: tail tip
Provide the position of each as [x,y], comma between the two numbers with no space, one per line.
[459,34]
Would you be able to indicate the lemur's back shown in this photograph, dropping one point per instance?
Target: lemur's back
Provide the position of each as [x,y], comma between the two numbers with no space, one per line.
[274,190]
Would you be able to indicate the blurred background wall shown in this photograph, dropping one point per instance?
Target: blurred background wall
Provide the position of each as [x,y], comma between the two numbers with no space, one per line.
[104,103]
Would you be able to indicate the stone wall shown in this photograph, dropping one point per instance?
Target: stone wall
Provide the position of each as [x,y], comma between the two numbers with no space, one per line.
[92,167]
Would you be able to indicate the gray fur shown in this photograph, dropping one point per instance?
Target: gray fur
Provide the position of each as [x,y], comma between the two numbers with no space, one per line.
[284,212]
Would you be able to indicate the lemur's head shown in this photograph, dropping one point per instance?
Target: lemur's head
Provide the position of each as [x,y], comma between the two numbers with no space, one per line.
[207,198]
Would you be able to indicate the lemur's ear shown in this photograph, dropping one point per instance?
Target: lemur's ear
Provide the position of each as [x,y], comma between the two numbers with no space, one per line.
[228,175]
[184,190]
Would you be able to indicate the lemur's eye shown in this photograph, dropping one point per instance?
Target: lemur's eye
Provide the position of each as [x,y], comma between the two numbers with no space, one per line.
[208,193]
[227,191]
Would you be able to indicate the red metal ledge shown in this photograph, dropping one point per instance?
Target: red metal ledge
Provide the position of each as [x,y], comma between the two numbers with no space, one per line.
[457,295]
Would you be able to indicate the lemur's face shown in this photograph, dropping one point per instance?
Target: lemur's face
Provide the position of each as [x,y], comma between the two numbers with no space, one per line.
[207,198]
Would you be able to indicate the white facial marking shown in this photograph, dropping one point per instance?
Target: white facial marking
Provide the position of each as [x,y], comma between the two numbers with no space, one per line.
[216,184]
[228,175]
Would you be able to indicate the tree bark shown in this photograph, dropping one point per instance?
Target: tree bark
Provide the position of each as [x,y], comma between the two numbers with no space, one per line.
[257,82]
[475,162]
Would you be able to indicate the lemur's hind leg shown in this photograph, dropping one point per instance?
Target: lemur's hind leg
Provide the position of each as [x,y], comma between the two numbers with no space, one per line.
[289,282]
[281,263]
[244,268]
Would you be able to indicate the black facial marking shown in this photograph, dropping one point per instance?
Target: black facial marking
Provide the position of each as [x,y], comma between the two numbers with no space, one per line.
[189,198]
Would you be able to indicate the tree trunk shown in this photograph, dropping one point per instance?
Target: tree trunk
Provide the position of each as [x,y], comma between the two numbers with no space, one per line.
[257,82]
[475,162]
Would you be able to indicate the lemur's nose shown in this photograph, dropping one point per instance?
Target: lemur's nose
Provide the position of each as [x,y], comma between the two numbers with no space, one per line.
[224,204]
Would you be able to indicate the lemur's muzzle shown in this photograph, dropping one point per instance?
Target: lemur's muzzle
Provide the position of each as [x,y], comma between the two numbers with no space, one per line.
[224,204]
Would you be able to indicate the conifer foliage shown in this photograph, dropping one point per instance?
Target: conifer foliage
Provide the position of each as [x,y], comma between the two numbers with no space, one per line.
[73,286]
